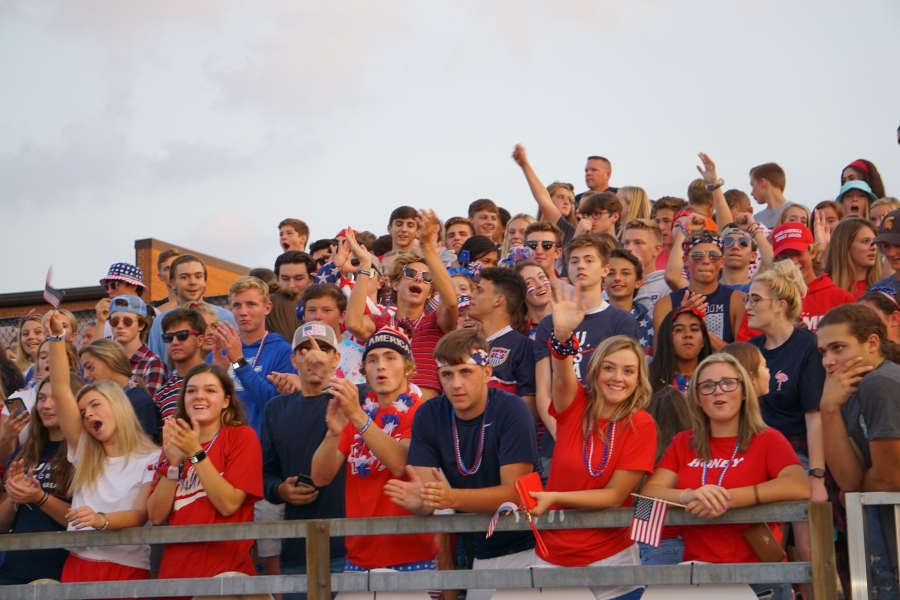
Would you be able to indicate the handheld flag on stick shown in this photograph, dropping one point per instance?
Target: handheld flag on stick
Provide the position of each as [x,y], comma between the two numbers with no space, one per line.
[648,520]
[52,295]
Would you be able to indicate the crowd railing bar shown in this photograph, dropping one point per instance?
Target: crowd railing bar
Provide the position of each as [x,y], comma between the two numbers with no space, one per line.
[857,526]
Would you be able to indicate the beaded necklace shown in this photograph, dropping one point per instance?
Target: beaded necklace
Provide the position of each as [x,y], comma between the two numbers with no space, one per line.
[722,476]
[190,475]
[588,452]
[480,453]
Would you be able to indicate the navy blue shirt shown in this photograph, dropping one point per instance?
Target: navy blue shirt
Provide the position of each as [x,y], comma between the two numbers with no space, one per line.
[509,438]
[146,410]
[718,310]
[293,427]
[512,359]
[28,565]
[795,384]
[889,281]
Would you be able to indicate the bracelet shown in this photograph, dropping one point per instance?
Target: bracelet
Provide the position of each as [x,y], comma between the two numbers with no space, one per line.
[363,272]
[56,338]
[365,427]
[43,500]
[561,350]
[106,518]
[756,494]
[683,492]
[714,186]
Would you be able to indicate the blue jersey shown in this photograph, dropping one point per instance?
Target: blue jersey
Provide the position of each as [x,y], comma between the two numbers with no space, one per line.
[512,359]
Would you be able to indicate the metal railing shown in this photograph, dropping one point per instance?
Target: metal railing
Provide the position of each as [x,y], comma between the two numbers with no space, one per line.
[319,582]
[857,526]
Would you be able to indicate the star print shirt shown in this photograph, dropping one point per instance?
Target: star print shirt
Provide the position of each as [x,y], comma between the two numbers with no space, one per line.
[365,481]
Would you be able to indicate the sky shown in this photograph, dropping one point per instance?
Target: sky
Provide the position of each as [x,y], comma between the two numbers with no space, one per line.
[205,123]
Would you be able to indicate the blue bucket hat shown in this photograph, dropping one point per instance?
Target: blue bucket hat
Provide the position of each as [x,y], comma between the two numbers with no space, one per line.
[857,185]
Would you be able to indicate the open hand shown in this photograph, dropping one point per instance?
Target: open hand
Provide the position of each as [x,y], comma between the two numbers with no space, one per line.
[843,382]
[568,310]
[84,517]
[406,494]
[184,437]
[230,340]
[437,494]
[708,172]
[285,383]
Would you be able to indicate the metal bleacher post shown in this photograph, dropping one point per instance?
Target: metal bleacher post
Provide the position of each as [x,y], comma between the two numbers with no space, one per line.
[857,526]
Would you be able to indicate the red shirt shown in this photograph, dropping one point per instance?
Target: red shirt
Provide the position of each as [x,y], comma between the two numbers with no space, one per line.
[822,295]
[861,287]
[424,335]
[634,449]
[237,455]
[364,491]
[662,260]
[768,454]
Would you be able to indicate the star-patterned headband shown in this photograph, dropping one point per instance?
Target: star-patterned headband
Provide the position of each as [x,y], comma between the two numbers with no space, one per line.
[703,237]
[479,357]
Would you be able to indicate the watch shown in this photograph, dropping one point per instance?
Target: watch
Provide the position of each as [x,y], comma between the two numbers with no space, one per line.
[241,362]
[197,457]
[714,186]
[817,473]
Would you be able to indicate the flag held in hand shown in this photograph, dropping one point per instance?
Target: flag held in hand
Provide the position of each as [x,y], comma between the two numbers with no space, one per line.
[648,520]
[52,295]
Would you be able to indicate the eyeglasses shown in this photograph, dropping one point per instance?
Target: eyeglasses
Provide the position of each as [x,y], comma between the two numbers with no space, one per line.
[697,255]
[752,301]
[729,384]
[182,335]
[127,321]
[742,241]
[111,286]
[546,245]
[596,214]
[411,273]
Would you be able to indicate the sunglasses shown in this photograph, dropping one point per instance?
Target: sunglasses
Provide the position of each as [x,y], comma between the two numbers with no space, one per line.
[743,242]
[697,255]
[411,273]
[182,335]
[127,321]
[111,286]
[322,260]
[546,245]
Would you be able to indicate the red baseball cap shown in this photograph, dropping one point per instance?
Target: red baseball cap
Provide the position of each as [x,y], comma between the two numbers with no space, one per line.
[791,236]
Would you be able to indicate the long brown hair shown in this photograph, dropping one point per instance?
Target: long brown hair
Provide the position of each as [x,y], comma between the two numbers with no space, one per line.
[233,414]
[39,437]
[751,421]
[838,263]
[638,399]
[22,359]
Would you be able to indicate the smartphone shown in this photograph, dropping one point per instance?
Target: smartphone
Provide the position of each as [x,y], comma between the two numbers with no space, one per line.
[15,406]
[304,481]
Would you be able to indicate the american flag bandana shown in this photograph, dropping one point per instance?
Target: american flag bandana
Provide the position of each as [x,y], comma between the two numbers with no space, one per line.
[648,520]
[52,295]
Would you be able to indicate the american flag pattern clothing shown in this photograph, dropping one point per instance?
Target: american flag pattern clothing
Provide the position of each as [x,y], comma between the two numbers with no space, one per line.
[512,359]
[150,368]
[167,397]
[648,520]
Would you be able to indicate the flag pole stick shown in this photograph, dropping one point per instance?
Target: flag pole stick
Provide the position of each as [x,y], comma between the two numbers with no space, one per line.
[659,500]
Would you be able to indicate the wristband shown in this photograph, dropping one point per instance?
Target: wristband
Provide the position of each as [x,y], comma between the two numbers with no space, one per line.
[365,427]
[363,272]
[56,338]
[714,186]
[105,518]
[561,350]
[43,500]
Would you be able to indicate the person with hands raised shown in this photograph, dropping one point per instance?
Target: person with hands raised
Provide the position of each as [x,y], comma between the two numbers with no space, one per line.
[211,473]
[714,184]
[114,466]
[468,448]
[38,477]
[294,426]
[415,278]
[373,441]
[605,443]
[729,459]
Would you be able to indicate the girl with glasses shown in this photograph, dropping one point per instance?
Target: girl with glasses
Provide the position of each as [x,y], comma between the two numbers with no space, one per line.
[683,343]
[729,459]
[854,260]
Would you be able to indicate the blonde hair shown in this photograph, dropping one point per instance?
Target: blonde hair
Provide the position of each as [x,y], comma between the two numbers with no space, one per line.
[750,422]
[638,203]
[249,283]
[638,399]
[131,437]
[202,308]
[519,217]
[785,283]
[888,201]
[67,314]
[645,224]
[782,218]
[23,361]
[838,263]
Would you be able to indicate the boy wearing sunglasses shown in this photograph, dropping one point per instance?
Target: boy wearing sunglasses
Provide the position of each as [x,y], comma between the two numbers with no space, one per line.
[740,251]
[704,255]
[183,331]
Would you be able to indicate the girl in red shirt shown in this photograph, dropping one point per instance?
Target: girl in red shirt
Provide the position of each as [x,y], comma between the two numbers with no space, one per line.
[211,473]
[730,459]
[605,444]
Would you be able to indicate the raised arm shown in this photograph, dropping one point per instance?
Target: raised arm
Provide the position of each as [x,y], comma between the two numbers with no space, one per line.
[355,319]
[720,205]
[68,414]
[758,234]
[548,209]
[568,313]
[448,311]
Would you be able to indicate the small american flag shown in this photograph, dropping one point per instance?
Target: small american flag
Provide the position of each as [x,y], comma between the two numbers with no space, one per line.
[314,329]
[52,295]
[647,522]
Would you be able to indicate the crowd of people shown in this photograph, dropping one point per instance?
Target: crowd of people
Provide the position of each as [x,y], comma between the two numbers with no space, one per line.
[694,350]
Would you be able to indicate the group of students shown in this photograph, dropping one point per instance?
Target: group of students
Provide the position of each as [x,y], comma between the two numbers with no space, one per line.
[689,350]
